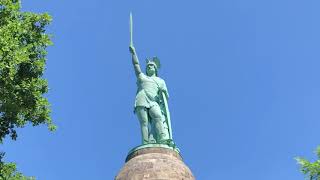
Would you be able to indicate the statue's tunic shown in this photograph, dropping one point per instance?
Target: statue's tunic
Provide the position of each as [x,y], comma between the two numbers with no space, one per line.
[148,90]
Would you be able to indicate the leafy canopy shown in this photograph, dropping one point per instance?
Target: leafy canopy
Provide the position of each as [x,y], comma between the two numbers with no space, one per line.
[8,171]
[311,169]
[23,43]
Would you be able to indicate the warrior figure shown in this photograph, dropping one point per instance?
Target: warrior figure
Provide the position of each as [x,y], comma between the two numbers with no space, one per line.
[150,103]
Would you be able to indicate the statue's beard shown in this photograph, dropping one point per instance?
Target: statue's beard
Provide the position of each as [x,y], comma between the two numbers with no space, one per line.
[151,73]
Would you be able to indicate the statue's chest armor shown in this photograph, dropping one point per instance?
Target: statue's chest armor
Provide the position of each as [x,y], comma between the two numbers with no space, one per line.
[149,84]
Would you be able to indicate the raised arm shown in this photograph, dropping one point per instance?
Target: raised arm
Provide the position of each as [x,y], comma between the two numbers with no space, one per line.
[135,61]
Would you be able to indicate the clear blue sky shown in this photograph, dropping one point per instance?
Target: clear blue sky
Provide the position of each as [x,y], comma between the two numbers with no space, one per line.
[243,76]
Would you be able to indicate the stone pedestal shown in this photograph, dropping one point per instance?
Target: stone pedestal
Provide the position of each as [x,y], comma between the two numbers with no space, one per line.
[154,163]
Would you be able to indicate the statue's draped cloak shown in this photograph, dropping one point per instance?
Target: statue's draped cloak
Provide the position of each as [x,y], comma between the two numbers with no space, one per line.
[148,91]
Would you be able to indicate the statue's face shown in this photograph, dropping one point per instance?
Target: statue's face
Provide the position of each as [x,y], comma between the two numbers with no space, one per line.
[151,69]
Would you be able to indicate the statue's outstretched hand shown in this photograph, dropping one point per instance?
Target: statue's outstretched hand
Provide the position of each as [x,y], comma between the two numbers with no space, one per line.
[132,50]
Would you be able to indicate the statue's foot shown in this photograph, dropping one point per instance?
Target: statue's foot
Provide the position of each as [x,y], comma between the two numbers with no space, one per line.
[171,143]
[168,142]
[145,142]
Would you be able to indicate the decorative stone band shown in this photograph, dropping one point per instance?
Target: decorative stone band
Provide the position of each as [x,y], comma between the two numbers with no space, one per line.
[156,148]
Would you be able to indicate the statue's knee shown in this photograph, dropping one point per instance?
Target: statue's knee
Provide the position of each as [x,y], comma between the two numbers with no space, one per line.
[155,113]
[144,122]
[158,121]
[142,116]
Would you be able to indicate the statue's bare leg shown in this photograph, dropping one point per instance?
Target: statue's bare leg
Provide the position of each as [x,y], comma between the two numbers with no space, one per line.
[152,138]
[142,114]
[158,121]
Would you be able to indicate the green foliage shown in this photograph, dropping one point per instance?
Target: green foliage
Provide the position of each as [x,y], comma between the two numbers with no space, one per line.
[8,171]
[311,169]
[23,43]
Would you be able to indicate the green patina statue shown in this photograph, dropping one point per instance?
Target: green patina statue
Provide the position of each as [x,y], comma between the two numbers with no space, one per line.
[151,105]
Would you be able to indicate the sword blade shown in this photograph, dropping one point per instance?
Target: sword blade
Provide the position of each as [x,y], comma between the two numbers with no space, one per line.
[131,30]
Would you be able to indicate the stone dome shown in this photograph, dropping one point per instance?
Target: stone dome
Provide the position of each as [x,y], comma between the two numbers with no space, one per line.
[156,163]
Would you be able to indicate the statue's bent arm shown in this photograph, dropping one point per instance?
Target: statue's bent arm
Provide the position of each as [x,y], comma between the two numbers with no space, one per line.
[165,90]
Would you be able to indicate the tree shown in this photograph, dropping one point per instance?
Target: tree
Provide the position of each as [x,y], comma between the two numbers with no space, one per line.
[23,52]
[310,169]
[23,44]
[8,171]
